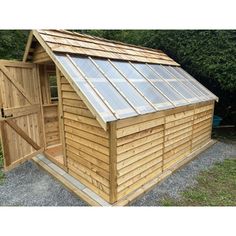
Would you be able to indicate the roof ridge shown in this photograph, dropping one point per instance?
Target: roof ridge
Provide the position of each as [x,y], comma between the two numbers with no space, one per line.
[108,40]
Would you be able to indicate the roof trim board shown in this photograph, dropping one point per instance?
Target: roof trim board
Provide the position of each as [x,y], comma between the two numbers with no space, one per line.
[28,45]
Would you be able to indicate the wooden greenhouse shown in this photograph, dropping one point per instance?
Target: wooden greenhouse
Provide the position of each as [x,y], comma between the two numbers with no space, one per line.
[110,119]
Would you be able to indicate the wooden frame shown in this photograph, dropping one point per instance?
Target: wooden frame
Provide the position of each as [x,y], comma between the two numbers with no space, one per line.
[113,162]
[61,118]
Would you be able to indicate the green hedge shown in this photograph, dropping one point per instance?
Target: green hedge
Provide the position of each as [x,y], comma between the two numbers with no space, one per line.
[209,55]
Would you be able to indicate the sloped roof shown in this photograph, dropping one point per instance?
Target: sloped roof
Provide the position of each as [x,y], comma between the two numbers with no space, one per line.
[122,83]
[75,43]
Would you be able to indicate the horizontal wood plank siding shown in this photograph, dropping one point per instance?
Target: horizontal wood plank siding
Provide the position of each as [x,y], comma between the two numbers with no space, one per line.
[87,144]
[149,145]
[50,110]
[40,55]
[51,124]
[202,125]
[139,151]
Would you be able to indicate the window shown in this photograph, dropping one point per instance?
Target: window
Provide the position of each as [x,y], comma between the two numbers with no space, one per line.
[53,87]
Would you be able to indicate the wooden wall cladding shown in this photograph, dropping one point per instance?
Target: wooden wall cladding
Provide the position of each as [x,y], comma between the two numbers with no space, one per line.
[148,146]
[87,144]
[50,110]
[133,151]
[51,125]
[40,55]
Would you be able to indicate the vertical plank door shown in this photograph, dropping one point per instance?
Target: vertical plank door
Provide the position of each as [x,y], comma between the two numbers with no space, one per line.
[20,117]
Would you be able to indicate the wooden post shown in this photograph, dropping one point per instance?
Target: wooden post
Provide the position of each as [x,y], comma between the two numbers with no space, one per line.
[191,143]
[163,144]
[113,162]
[41,113]
[212,116]
[61,118]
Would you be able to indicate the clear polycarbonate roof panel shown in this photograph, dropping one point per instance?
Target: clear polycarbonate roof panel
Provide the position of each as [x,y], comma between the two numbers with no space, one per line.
[121,89]
[118,104]
[197,84]
[143,86]
[177,84]
[161,84]
[86,89]
[134,97]
[187,82]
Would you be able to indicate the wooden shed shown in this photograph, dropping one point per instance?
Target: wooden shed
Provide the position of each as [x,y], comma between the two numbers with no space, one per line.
[112,119]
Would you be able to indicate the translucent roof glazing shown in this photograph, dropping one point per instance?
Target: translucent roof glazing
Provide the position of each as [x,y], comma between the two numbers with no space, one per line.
[122,89]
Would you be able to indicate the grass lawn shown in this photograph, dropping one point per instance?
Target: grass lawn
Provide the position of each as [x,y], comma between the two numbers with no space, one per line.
[215,187]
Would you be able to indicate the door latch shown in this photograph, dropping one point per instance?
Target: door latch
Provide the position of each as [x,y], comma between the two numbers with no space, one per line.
[3,114]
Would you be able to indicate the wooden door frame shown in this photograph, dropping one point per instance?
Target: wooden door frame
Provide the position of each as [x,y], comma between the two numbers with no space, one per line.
[60,119]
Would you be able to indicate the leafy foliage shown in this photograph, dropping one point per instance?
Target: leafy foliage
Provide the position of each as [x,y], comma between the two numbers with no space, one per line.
[12,43]
[209,55]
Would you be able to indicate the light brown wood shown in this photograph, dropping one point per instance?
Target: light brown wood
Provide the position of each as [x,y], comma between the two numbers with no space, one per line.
[66,183]
[69,42]
[16,83]
[86,142]
[119,160]
[28,46]
[22,160]
[19,131]
[40,55]
[20,102]
[72,83]
[113,162]
[61,118]
[127,199]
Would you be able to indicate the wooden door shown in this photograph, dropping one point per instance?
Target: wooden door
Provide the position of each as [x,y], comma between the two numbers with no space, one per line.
[21,117]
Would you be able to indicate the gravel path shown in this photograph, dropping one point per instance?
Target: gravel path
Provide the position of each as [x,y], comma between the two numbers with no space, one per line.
[28,185]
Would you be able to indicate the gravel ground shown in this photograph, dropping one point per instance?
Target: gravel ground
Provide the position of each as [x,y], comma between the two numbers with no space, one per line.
[28,185]
[174,185]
